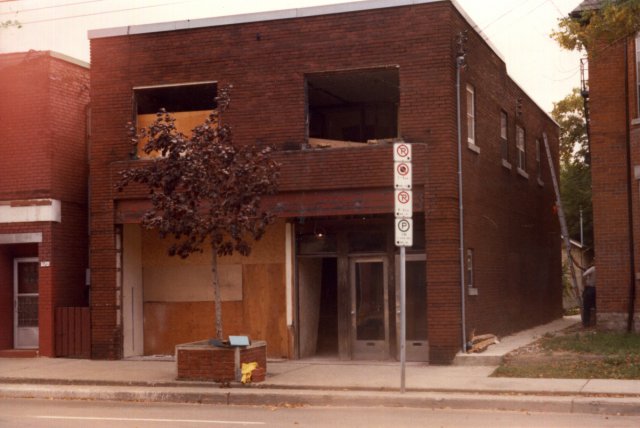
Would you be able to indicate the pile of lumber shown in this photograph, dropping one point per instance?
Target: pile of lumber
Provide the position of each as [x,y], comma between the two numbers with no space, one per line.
[481,343]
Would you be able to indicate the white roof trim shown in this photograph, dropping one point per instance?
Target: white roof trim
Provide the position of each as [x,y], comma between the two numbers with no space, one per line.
[255,17]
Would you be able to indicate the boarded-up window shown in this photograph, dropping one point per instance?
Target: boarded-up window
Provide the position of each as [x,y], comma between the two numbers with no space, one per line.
[190,104]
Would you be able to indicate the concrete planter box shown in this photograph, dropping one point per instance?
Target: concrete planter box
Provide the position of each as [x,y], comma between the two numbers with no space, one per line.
[205,362]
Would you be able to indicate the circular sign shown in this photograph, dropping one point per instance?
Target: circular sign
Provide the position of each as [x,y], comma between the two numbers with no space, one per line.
[404,197]
[402,150]
[403,169]
[404,226]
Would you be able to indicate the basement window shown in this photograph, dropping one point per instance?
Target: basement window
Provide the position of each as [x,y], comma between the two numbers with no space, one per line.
[189,103]
[349,108]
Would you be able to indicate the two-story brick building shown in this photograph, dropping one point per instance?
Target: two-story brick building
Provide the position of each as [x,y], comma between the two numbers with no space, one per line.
[44,97]
[331,87]
[614,109]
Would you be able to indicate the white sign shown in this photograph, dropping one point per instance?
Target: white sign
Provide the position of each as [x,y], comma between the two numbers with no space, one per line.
[404,232]
[404,203]
[402,152]
[402,176]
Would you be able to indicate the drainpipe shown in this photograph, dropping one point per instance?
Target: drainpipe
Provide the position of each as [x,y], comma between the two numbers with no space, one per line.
[632,267]
[460,64]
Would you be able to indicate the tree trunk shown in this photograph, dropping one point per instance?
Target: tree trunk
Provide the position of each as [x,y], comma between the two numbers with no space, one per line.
[216,292]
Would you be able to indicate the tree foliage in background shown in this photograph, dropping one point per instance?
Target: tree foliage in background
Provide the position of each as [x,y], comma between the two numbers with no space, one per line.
[10,23]
[204,190]
[611,22]
[575,170]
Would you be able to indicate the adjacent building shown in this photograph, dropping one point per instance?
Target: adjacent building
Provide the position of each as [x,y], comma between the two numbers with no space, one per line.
[331,87]
[44,98]
[614,108]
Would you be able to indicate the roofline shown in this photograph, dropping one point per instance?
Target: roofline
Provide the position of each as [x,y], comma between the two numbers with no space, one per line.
[52,54]
[354,6]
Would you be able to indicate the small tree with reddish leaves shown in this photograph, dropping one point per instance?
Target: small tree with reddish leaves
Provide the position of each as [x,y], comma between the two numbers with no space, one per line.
[204,190]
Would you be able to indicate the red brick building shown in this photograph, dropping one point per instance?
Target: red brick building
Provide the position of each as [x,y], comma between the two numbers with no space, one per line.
[44,97]
[614,109]
[330,87]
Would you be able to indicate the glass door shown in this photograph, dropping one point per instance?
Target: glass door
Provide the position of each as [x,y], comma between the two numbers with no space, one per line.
[369,309]
[26,295]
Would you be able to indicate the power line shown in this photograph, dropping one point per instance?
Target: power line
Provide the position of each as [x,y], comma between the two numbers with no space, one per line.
[49,7]
[504,14]
[39,21]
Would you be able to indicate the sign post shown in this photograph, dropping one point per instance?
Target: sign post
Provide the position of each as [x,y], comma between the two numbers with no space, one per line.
[403,203]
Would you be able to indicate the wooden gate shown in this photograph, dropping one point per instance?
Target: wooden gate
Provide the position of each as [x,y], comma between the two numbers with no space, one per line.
[73,332]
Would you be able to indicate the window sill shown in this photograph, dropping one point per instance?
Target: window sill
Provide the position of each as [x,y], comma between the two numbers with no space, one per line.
[540,182]
[522,173]
[473,147]
[506,164]
[472,291]
[635,121]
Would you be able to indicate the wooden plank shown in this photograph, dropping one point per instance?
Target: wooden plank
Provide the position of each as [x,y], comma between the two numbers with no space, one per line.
[58,332]
[65,332]
[77,331]
[86,333]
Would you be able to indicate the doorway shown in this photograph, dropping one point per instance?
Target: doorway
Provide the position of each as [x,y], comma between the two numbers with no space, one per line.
[26,297]
[369,308]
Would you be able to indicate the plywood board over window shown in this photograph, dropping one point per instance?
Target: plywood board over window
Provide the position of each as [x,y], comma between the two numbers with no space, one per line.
[189,103]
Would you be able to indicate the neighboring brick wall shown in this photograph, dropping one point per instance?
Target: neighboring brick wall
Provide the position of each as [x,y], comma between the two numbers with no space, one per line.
[43,100]
[509,220]
[610,177]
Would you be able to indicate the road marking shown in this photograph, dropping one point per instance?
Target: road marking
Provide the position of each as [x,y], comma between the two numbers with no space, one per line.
[194,421]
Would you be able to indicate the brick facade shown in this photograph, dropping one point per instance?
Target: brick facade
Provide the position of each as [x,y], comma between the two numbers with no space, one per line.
[615,129]
[44,98]
[509,219]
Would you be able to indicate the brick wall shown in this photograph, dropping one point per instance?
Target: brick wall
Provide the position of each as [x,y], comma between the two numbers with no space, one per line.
[610,176]
[43,100]
[268,105]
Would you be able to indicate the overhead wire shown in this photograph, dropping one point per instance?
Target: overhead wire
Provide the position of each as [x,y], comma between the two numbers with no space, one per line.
[49,7]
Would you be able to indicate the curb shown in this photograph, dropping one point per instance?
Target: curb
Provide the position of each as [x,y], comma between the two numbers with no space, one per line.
[625,406]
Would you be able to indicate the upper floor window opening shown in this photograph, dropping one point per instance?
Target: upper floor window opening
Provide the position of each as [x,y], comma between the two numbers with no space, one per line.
[521,151]
[347,108]
[539,162]
[189,103]
[471,118]
[504,139]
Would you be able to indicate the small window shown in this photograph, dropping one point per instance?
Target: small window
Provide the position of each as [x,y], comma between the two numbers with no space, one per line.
[538,162]
[189,103]
[471,115]
[521,148]
[470,274]
[504,137]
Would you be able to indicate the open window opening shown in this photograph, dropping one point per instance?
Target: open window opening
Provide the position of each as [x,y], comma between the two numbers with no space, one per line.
[349,108]
[189,103]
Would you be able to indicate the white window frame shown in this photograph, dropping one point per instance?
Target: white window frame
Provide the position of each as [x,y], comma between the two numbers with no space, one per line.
[521,149]
[539,162]
[470,273]
[471,118]
[504,139]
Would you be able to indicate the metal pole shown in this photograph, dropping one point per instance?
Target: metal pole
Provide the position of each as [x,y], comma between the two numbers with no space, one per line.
[403,318]
[463,321]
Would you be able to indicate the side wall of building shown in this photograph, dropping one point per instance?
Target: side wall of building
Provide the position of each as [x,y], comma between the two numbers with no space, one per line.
[510,223]
[613,108]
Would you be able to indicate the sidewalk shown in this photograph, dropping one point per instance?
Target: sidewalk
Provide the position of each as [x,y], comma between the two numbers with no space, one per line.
[324,382]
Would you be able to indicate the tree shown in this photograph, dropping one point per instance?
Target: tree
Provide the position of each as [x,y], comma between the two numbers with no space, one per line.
[204,189]
[575,170]
[10,23]
[612,21]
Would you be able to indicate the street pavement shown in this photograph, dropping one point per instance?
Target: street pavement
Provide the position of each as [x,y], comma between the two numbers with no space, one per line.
[465,385]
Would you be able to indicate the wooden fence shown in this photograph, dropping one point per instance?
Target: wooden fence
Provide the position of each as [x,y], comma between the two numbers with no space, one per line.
[73,332]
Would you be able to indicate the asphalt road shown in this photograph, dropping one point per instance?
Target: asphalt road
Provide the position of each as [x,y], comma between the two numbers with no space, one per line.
[76,414]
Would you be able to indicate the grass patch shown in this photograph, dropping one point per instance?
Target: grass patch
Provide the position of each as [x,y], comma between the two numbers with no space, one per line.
[579,355]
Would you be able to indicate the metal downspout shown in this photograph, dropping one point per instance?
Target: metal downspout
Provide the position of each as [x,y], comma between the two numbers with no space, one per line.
[460,61]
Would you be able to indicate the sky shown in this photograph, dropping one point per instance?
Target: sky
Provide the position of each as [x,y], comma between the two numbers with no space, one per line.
[518,29]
